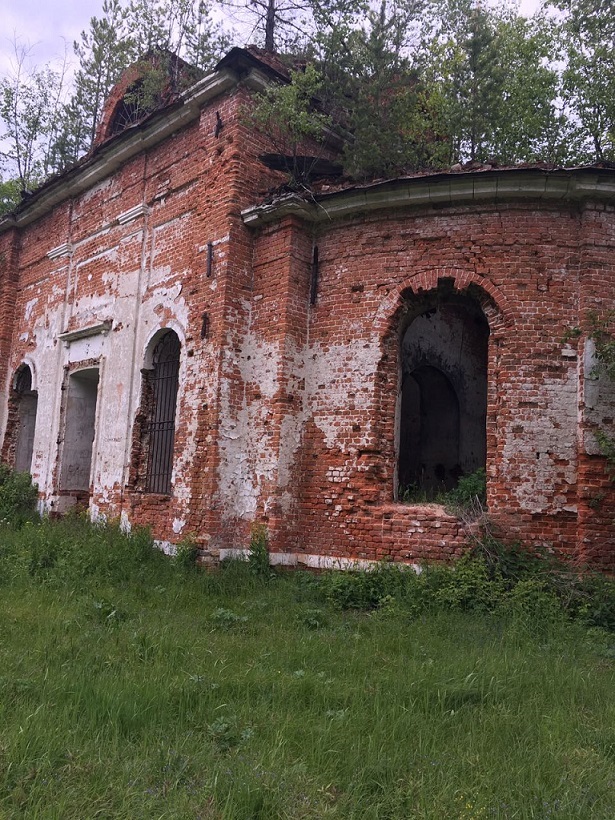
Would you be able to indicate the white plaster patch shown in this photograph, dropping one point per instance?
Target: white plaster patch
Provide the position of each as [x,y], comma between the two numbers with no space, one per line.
[99,188]
[248,459]
[166,546]
[314,561]
[598,401]
[546,448]
[337,376]
[29,308]
[125,525]
[89,348]
[259,363]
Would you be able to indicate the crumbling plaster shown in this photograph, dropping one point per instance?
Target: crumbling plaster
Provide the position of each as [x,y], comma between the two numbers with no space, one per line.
[288,405]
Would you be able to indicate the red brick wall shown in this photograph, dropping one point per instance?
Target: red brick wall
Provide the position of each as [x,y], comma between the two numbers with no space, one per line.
[287,411]
[522,264]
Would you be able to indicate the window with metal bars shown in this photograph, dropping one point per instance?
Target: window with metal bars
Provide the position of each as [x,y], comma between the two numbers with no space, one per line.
[159,427]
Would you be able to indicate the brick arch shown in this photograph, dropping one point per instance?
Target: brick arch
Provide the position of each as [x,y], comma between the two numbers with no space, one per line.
[388,325]
[179,75]
[29,363]
[495,306]
[155,336]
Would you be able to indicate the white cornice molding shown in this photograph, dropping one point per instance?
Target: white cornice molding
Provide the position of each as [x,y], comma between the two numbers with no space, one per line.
[132,213]
[61,250]
[576,185]
[101,328]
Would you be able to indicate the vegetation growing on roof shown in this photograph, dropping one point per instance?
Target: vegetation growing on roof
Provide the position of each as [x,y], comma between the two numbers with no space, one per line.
[420,84]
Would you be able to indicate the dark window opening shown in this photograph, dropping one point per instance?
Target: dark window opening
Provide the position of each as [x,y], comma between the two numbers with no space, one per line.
[442,422]
[131,109]
[159,424]
[25,402]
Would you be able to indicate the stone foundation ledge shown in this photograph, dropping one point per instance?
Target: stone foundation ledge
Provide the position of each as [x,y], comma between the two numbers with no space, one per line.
[299,560]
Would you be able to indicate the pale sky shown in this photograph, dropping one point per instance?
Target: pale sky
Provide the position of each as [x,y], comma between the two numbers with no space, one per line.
[50,26]
[46,26]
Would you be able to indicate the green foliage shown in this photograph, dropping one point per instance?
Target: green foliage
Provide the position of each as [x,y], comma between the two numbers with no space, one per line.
[49,126]
[592,601]
[290,117]
[223,618]
[18,496]
[31,100]
[420,84]
[606,443]
[527,586]
[134,699]
[492,73]
[365,589]
[586,32]
[470,489]
[258,554]
[470,493]
[186,554]
[226,733]
[75,551]
[600,330]
[106,613]
[313,618]
[533,605]
[468,586]
[10,195]
[392,113]
[514,561]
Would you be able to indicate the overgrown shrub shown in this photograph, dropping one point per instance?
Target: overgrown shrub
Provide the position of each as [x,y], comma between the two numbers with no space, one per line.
[513,561]
[468,585]
[365,589]
[531,587]
[73,550]
[186,554]
[532,604]
[258,555]
[592,601]
[469,489]
[18,496]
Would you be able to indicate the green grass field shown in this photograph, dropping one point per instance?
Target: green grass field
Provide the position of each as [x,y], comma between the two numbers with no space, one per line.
[133,688]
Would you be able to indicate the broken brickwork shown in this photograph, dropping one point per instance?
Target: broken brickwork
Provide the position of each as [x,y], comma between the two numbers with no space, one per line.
[319,337]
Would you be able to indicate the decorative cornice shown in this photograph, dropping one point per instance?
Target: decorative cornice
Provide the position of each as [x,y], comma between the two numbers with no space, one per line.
[101,328]
[62,250]
[132,214]
[512,184]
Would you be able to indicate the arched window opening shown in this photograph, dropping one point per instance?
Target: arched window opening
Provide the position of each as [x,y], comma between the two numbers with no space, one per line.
[131,109]
[160,394]
[26,405]
[443,410]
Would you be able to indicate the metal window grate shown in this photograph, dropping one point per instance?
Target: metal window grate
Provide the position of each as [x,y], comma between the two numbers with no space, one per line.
[160,426]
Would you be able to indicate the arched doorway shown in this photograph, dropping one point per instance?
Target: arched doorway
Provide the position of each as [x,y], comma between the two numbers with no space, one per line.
[26,400]
[443,409]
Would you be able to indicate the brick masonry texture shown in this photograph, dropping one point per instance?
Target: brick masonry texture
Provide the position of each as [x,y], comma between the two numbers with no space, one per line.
[288,411]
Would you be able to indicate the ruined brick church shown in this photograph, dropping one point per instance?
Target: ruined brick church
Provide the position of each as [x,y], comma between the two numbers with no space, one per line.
[182,352]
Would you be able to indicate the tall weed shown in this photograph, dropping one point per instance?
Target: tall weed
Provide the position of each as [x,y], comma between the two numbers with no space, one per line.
[18,496]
